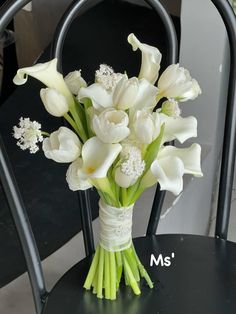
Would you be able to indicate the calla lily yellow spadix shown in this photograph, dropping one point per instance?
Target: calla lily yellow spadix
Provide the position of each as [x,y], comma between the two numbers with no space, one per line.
[117,144]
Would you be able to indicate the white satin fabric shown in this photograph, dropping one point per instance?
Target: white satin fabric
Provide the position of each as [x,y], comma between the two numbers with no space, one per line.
[115,227]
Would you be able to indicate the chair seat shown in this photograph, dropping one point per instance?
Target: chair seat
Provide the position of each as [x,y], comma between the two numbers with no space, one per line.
[200,280]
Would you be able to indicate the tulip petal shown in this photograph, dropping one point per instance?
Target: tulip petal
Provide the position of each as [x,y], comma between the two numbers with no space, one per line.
[146,97]
[191,157]
[62,146]
[178,128]
[169,173]
[99,96]
[111,126]
[151,59]
[98,157]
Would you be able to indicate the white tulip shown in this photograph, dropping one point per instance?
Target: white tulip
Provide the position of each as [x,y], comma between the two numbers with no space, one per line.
[151,59]
[74,81]
[125,93]
[176,82]
[111,126]
[75,177]
[170,166]
[130,168]
[178,128]
[99,96]
[62,146]
[171,108]
[54,102]
[98,157]
[146,126]
[124,180]
[46,73]
[145,98]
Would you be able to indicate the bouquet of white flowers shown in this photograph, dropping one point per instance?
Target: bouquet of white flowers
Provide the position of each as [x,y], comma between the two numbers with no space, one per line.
[116,144]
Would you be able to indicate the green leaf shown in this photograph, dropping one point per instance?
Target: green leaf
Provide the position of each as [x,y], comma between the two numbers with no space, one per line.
[152,150]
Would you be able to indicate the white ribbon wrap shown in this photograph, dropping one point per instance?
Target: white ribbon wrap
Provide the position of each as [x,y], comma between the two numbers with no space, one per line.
[115,227]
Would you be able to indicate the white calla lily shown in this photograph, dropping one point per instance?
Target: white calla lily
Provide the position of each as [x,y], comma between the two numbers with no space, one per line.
[55,103]
[62,146]
[46,73]
[111,126]
[178,128]
[146,126]
[75,176]
[170,166]
[100,97]
[169,173]
[98,157]
[176,82]
[74,81]
[151,59]
[190,156]
[125,93]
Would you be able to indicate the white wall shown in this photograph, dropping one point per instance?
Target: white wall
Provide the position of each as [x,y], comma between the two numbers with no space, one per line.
[204,52]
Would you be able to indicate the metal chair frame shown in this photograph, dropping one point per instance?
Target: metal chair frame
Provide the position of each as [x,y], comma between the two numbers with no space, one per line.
[7,12]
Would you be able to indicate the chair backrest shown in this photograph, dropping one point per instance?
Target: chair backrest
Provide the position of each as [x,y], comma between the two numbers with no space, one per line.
[17,207]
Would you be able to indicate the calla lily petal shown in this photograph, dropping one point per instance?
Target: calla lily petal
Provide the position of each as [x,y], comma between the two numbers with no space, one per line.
[98,157]
[178,128]
[191,157]
[100,97]
[169,173]
[151,59]
[46,73]
[75,176]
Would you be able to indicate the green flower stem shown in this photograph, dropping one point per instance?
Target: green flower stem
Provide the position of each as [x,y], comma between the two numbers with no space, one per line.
[78,123]
[107,268]
[123,196]
[131,193]
[107,276]
[92,270]
[133,283]
[100,273]
[45,133]
[87,103]
[119,269]
[132,263]
[142,270]
[113,275]
[127,283]
[71,122]
[95,283]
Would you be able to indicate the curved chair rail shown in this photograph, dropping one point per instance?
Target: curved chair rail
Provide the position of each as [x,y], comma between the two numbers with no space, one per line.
[229,142]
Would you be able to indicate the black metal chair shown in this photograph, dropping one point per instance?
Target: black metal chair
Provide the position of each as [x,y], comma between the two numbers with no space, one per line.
[202,278]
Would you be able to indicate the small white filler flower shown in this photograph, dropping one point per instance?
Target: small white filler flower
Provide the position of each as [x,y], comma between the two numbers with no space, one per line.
[131,167]
[29,134]
[107,77]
